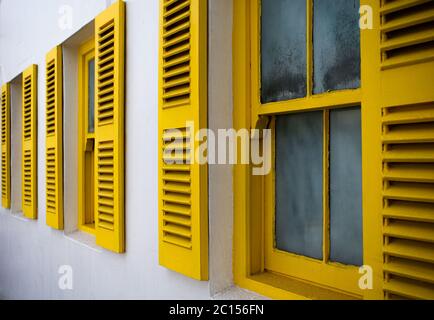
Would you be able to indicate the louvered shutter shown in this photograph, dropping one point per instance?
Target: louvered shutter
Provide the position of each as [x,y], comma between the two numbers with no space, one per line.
[29,162]
[183,203]
[109,129]
[54,139]
[407,91]
[6,145]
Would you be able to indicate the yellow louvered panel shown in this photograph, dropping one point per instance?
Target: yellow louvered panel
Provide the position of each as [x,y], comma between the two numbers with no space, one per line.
[109,128]
[5,146]
[27,120]
[54,138]
[176,186]
[4,173]
[51,98]
[407,32]
[183,215]
[27,178]
[51,181]
[105,184]
[105,73]
[176,53]
[408,193]
[29,139]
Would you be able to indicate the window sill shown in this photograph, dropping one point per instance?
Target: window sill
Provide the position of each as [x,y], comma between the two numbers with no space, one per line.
[280,287]
[83,239]
[19,215]
[237,293]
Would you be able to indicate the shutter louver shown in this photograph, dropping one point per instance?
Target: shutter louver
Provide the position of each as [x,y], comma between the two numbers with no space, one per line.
[177,189]
[29,163]
[183,203]
[407,32]
[109,129]
[408,193]
[6,146]
[54,139]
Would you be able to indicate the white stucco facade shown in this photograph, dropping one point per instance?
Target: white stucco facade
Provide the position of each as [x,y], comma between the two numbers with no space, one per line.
[31,252]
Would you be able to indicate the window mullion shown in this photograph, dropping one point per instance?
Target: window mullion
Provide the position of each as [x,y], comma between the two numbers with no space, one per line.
[326,186]
[309,46]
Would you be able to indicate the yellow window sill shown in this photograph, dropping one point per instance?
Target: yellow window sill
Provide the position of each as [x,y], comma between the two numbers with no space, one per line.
[281,287]
[88,228]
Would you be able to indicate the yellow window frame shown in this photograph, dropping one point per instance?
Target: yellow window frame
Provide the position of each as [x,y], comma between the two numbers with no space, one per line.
[86,53]
[294,276]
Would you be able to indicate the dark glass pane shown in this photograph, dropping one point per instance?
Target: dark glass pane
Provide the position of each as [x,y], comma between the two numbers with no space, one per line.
[336,45]
[299,183]
[283,50]
[346,187]
[91,96]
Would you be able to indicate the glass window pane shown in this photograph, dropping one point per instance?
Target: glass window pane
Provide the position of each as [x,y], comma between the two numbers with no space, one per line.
[91,96]
[346,187]
[283,50]
[336,45]
[299,183]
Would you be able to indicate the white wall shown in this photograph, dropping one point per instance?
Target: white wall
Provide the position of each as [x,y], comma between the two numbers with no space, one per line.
[31,252]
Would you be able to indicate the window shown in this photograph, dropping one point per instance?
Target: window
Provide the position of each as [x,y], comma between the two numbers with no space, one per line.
[101,69]
[313,215]
[86,219]
[380,97]
[305,79]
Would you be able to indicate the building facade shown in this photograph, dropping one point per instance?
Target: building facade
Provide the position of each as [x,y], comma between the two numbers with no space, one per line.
[200,149]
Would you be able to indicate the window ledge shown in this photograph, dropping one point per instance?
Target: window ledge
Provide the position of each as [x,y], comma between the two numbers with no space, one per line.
[237,293]
[282,287]
[18,215]
[83,239]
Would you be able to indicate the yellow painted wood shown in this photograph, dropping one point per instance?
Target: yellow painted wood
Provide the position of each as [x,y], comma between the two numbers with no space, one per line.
[410,173]
[326,186]
[54,139]
[394,6]
[410,211]
[410,192]
[418,17]
[6,145]
[183,188]
[109,127]
[410,231]
[29,143]
[409,289]
[248,206]
[409,114]
[411,250]
[411,269]
[409,154]
[410,133]
[86,143]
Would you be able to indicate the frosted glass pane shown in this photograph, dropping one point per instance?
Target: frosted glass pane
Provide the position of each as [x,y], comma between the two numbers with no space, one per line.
[283,50]
[346,187]
[91,96]
[299,187]
[336,45]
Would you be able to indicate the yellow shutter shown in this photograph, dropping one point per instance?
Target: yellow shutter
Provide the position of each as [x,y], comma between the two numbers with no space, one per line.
[6,145]
[54,136]
[29,162]
[407,102]
[183,190]
[109,127]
